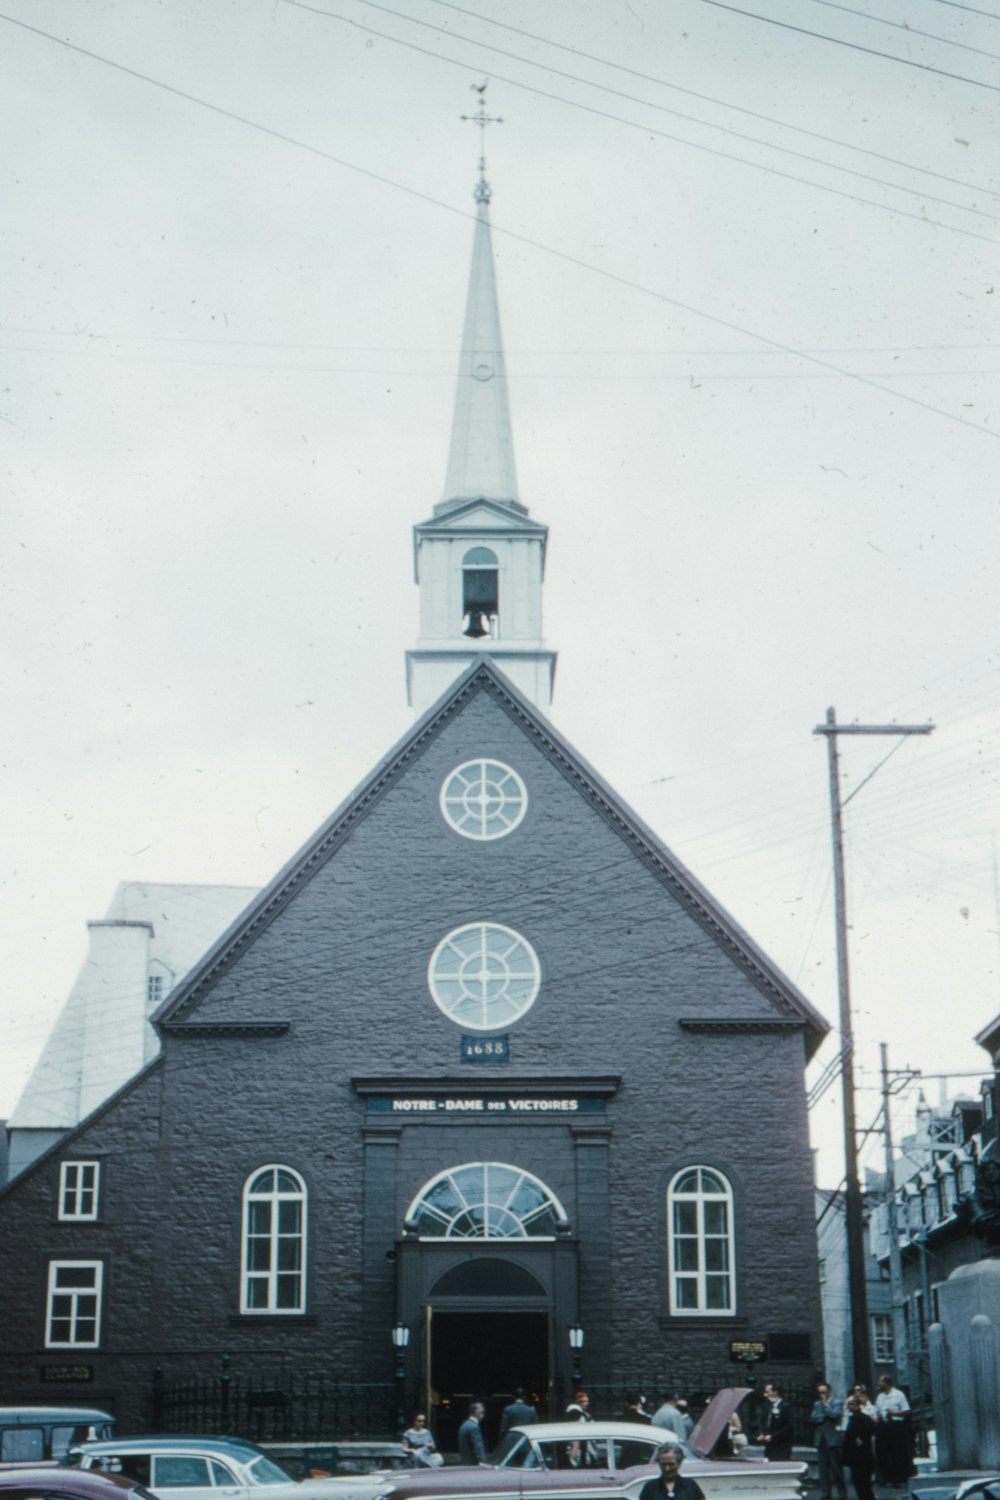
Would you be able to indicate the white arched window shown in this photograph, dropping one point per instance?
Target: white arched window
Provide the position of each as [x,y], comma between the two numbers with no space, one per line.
[273,1275]
[485,1200]
[701,1250]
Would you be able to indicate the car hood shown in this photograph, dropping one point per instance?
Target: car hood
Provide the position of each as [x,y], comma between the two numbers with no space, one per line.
[713,1420]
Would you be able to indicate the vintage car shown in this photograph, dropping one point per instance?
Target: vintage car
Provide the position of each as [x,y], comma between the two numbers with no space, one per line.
[577,1461]
[49,1481]
[40,1432]
[210,1468]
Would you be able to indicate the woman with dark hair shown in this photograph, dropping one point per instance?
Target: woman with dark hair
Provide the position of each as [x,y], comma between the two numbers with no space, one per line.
[858,1449]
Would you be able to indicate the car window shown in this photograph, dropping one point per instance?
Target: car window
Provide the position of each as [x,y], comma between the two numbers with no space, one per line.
[178,1471]
[264,1470]
[515,1452]
[220,1474]
[135,1466]
[629,1452]
[22,1442]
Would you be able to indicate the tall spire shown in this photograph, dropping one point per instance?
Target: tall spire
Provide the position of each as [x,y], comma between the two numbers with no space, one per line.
[480,559]
[481,455]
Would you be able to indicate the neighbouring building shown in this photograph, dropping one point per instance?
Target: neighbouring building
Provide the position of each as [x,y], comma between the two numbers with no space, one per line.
[137,952]
[484,1089]
[935,1167]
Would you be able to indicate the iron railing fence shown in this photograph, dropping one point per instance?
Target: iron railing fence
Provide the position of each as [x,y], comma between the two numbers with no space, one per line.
[281,1405]
[275,1406]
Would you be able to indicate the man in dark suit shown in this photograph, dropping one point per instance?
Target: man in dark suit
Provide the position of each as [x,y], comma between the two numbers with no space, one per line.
[827,1436]
[671,1483]
[778,1434]
[517,1413]
[471,1448]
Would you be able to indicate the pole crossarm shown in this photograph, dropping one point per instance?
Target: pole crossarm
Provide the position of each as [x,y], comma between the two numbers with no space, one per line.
[873,728]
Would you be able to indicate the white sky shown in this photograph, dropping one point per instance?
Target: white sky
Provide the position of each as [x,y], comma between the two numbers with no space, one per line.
[229,366]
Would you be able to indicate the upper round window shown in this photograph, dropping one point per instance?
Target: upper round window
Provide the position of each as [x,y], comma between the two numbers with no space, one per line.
[484,976]
[484,799]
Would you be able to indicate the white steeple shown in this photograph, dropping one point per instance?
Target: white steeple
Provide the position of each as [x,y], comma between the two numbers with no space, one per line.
[481,456]
[480,559]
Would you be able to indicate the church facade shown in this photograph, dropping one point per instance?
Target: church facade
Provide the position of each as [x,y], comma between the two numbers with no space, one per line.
[483,1090]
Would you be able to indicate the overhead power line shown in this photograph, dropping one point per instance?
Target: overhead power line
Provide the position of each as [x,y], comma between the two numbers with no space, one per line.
[511,234]
[930,36]
[739,109]
[973,9]
[650,130]
[821,36]
[677,114]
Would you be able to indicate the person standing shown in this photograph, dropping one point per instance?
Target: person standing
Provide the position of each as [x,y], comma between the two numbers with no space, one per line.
[778,1434]
[827,1437]
[471,1448]
[858,1448]
[633,1410]
[893,1437]
[669,1416]
[671,1484]
[579,1455]
[517,1413]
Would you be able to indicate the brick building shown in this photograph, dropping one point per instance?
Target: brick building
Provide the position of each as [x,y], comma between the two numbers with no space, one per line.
[483,1065]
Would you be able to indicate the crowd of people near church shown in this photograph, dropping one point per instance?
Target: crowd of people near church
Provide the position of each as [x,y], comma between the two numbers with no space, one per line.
[871,1441]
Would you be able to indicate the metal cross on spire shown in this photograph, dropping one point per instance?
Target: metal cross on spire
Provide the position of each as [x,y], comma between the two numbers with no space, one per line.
[482,119]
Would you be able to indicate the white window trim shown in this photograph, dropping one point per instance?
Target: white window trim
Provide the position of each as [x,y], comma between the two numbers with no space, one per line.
[455,807]
[550,1199]
[67,1169]
[675,1277]
[54,1290]
[527,967]
[271,1275]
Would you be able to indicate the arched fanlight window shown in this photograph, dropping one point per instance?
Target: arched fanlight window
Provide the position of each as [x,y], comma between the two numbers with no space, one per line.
[485,1200]
[480,591]
[701,1249]
[273,1272]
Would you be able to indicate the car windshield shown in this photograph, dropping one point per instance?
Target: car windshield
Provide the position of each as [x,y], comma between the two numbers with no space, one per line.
[512,1451]
[264,1470]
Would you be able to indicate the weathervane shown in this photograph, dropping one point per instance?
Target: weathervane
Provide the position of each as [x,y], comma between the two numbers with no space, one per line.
[482,119]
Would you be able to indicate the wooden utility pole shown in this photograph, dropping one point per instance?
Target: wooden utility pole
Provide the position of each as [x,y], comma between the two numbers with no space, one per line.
[853,1216]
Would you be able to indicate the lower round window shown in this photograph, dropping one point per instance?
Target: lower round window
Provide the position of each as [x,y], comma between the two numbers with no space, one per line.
[484,976]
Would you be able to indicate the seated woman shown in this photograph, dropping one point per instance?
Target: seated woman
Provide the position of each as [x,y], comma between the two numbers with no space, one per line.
[418,1443]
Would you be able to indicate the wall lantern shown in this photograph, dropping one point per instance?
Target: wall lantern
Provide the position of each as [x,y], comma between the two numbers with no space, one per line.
[576,1350]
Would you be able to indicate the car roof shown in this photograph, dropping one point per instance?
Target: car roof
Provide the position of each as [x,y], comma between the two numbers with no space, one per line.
[170,1442]
[570,1432]
[74,1481]
[17,1416]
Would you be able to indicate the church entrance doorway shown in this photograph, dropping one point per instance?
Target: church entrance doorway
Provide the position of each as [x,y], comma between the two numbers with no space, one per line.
[484,1355]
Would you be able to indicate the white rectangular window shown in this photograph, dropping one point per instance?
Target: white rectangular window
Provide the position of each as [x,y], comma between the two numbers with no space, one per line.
[73,1311]
[882,1346]
[78,1184]
[154,988]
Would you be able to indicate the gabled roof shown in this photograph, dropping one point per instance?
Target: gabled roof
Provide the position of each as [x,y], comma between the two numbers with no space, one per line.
[482,675]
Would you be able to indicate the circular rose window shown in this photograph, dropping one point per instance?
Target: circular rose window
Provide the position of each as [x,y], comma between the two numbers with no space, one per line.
[484,799]
[484,976]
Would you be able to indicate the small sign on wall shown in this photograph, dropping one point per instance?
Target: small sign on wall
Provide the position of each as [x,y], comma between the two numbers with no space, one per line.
[492,1049]
[741,1350]
[62,1374]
